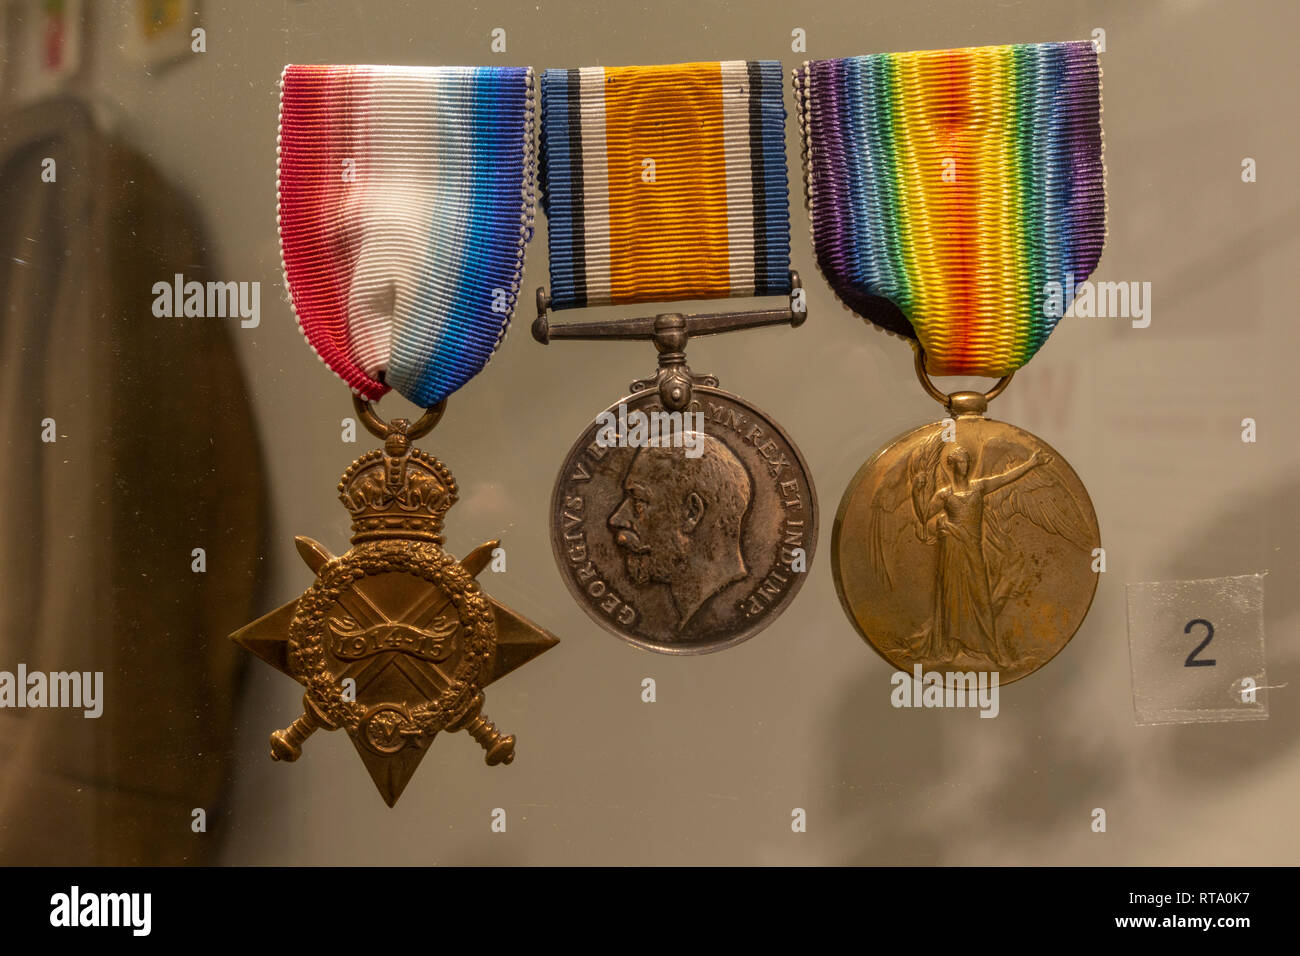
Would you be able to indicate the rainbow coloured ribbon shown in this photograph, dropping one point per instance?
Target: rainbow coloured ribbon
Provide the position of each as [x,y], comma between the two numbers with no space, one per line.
[665,182]
[963,186]
[405,205]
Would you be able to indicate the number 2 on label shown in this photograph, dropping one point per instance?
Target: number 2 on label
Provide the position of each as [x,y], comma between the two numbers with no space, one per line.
[1192,660]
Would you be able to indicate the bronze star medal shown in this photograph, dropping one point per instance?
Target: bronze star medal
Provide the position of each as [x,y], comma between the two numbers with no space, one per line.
[395,640]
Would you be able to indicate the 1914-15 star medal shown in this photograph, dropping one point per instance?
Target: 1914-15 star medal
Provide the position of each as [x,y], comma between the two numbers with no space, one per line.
[395,640]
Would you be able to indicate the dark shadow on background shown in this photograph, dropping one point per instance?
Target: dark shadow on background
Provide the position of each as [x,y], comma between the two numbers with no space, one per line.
[157,454]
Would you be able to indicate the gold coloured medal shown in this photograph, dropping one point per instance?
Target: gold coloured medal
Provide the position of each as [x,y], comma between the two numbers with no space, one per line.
[403,277]
[966,545]
[955,198]
[395,640]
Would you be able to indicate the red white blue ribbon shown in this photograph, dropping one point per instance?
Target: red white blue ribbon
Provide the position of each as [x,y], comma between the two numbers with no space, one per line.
[405,199]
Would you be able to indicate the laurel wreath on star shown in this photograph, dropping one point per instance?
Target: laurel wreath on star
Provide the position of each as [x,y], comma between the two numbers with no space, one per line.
[307,654]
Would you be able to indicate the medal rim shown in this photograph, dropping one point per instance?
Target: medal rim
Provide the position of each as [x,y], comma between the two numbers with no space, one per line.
[860,476]
[711,647]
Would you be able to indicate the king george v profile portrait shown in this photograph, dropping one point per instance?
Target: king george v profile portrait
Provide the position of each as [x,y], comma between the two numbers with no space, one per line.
[681,519]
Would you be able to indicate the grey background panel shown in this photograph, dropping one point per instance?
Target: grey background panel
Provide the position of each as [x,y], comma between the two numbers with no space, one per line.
[800,716]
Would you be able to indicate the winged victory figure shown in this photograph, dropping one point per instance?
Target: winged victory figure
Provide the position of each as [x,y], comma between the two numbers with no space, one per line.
[965,507]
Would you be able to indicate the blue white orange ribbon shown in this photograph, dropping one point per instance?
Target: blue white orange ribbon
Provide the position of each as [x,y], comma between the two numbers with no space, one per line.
[665,182]
[405,205]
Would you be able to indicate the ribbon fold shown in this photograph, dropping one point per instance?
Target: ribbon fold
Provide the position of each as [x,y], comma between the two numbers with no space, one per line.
[962,186]
[405,203]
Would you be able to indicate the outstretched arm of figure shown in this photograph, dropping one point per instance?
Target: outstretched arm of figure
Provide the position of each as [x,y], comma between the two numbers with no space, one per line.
[994,482]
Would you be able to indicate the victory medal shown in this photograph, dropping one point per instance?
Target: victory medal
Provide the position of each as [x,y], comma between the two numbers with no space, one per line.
[683,518]
[948,191]
[396,272]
